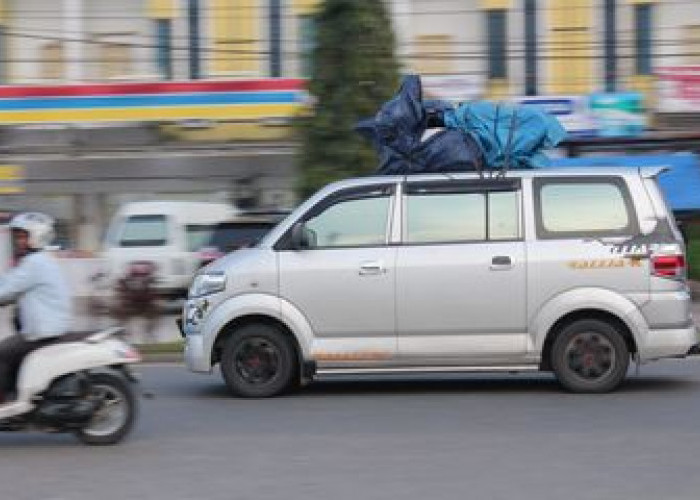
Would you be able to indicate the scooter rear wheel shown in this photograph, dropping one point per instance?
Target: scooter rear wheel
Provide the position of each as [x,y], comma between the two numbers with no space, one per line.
[115,417]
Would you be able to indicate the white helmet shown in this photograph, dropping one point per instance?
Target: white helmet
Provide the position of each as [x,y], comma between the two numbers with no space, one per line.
[38,225]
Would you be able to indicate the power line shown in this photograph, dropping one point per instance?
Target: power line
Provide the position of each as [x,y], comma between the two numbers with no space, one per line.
[118,14]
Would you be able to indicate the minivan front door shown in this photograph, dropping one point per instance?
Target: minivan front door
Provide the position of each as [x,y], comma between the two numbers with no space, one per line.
[343,282]
[461,275]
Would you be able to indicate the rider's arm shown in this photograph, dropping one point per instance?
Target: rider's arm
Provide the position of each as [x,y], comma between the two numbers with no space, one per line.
[15,282]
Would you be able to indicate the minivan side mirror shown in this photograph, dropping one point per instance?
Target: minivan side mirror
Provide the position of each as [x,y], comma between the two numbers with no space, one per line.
[301,238]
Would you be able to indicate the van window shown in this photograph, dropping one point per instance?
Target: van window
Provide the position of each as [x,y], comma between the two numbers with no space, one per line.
[351,222]
[445,217]
[198,235]
[144,231]
[584,208]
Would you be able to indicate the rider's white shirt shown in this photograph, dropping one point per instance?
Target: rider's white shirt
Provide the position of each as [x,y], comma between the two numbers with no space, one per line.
[43,296]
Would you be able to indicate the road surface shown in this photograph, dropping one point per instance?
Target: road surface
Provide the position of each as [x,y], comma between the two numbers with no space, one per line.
[469,437]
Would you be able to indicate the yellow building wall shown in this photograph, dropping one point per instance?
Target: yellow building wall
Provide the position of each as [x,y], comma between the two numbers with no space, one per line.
[161,9]
[305,7]
[236,35]
[496,4]
[570,38]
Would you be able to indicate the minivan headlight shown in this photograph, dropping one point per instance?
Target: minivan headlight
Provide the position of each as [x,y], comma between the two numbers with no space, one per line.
[207,284]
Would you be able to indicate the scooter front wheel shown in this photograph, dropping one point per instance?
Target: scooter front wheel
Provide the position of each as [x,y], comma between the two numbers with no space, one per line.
[116,412]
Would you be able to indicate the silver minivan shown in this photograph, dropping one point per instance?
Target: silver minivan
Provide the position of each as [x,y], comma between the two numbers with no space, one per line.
[575,271]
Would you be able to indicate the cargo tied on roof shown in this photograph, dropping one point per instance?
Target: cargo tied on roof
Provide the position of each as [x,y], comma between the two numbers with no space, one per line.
[414,136]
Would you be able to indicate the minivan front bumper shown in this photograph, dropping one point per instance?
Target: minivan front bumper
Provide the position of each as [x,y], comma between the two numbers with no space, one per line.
[196,356]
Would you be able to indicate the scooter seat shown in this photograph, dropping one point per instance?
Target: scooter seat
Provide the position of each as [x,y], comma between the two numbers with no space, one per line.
[14,408]
[91,337]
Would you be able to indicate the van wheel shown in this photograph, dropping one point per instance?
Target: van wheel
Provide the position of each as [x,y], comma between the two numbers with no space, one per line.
[590,356]
[258,361]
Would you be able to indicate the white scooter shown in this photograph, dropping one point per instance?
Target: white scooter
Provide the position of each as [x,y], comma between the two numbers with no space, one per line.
[82,384]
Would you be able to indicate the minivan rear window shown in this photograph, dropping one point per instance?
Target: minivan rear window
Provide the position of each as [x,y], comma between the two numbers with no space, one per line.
[584,207]
[144,231]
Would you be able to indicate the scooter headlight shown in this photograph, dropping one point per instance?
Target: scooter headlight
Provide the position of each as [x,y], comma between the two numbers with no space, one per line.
[207,284]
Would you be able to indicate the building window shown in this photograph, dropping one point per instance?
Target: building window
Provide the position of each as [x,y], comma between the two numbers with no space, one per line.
[193,29]
[307,43]
[610,45]
[496,42]
[531,47]
[114,56]
[3,58]
[52,67]
[275,38]
[164,49]
[642,23]
[433,54]
[692,44]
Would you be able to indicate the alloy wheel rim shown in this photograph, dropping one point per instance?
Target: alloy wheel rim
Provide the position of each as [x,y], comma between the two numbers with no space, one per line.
[257,361]
[590,356]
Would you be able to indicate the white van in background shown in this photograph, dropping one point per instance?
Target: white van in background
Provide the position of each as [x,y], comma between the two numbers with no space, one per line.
[167,233]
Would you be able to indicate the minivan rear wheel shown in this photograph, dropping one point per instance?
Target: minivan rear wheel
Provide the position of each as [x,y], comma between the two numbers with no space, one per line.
[590,356]
[258,361]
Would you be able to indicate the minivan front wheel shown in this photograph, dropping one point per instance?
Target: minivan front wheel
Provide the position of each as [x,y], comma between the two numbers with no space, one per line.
[590,356]
[258,361]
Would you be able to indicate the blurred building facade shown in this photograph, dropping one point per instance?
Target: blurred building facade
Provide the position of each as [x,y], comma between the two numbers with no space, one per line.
[81,171]
[533,47]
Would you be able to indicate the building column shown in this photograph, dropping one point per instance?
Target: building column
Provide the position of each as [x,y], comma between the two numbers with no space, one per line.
[74,33]
[570,41]
[89,210]
[401,22]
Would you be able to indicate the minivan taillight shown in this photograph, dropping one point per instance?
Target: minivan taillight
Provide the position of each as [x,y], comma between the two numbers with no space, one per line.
[668,266]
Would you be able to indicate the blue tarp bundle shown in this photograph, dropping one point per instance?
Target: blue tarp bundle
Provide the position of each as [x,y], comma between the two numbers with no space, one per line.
[681,184]
[397,132]
[475,135]
[509,136]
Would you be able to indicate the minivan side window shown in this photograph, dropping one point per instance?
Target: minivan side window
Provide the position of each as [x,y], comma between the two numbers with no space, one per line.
[352,221]
[144,231]
[434,216]
[584,207]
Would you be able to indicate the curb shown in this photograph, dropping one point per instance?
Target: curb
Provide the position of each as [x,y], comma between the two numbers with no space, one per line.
[162,357]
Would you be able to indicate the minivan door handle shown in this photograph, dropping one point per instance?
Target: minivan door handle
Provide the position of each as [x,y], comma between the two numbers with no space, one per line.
[501,263]
[371,268]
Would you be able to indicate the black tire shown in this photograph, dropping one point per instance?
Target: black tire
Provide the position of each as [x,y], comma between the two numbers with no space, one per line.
[117,386]
[259,361]
[590,356]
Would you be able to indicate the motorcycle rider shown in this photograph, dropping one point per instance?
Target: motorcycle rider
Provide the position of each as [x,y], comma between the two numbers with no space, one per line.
[36,284]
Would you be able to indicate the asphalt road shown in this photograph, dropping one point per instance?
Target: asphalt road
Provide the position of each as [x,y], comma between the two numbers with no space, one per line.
[470,437]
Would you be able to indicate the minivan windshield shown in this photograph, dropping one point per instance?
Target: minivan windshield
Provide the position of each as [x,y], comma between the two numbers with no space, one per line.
[144,231]
[232,235]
